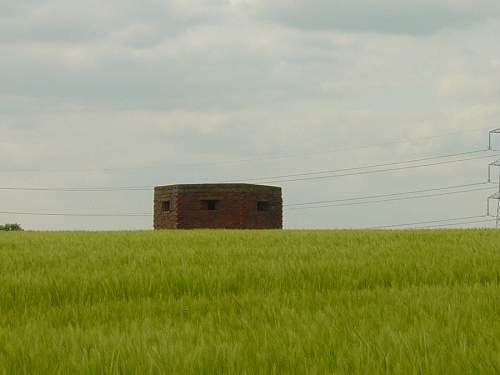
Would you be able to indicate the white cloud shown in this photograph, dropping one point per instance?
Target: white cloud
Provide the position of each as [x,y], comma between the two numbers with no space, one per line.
[460,85]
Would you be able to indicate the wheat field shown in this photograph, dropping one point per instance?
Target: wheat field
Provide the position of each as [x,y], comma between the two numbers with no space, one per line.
[250,302]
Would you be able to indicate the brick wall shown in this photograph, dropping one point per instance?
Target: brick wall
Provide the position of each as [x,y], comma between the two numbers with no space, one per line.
[236,207]
[162,219]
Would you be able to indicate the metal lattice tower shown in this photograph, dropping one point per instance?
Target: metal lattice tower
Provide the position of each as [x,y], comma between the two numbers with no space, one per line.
[496,163]
[495,196]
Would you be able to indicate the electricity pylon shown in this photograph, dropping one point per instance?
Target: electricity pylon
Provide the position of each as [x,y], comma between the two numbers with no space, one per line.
[496,163]
[495,196]
[490,140]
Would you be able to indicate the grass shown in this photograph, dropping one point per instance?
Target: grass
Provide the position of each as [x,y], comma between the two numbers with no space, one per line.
[235,302]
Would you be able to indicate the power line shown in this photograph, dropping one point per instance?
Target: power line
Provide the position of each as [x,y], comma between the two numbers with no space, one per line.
[80,189]
[247,160]
[388,200]
[317,175]
[73,214]
[455,224]
[375,145]
[271,180]
[387,195]
[427,222]
[372,165]
[293,208]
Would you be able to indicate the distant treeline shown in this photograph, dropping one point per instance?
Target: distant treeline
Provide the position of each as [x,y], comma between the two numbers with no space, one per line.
[10,228]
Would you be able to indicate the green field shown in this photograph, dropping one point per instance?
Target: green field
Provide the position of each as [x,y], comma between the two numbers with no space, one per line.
[236,302]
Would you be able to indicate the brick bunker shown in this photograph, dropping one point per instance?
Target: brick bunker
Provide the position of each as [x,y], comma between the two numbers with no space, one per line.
[230,206]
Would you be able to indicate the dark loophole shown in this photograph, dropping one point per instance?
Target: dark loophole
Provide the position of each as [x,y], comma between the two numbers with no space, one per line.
[165,206]
[263,206]
[210,205]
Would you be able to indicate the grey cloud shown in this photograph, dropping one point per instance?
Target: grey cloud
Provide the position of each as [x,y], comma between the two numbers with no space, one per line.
[160,85]
[72,21]
[13,8]
[205,69]
[386,16]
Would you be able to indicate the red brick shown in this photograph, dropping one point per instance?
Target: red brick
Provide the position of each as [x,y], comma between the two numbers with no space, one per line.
[236,207]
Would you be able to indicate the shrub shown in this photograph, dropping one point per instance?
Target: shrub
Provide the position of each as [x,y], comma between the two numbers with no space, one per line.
[11,228]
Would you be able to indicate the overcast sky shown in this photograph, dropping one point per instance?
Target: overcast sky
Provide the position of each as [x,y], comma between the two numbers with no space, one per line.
[142,93]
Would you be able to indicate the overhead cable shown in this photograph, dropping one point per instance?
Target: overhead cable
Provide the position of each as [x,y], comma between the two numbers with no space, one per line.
[371,165]
[263,157]
[427,222]
[72,214]
[455,224]
[80,189]
[389,200]
[289,209]
[386,195]
[270,179]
